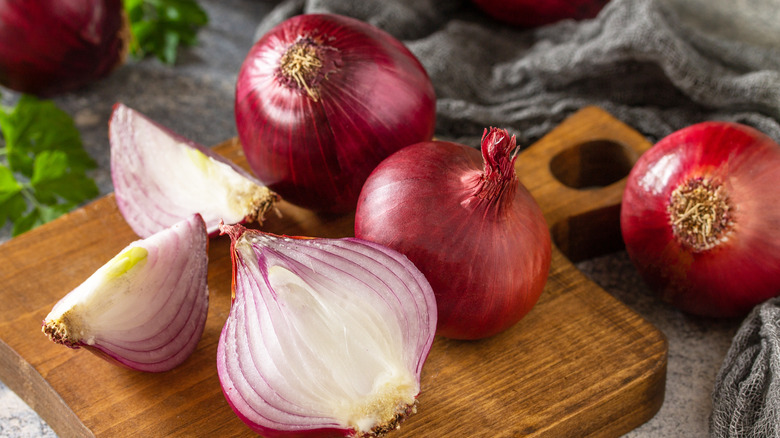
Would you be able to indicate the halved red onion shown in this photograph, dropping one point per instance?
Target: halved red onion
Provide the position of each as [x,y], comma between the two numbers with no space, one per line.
[161,178]
[324,336]
[146,308]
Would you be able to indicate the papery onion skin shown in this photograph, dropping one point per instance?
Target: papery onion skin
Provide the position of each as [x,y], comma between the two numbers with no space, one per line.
[316,142]
[161,177]
[535,13]
[51,47]
[278,379]
[741,268]
[166,275]
[469,225]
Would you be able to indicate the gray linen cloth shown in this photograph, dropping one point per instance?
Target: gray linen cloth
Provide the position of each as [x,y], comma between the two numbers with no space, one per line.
[657,65]
[746,398]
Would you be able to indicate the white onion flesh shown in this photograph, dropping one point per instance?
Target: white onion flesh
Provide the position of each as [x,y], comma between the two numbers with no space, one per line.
[323,334]
[161,178]
[145,308]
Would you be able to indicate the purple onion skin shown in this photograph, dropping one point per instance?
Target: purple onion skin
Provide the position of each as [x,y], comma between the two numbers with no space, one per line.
[273,433]
[535,13]
[52,47]
[374,98]
[729,279]
[487,262]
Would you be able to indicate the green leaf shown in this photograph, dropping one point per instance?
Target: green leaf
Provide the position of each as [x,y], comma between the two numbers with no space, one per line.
[49,166]
[43,164]
[12,203]
[48,213]
[8,184]
[27,222]
[12,208]
[160,27]
[34,126]
[53,177]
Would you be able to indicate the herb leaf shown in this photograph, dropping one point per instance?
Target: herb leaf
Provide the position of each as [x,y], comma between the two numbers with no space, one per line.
[12,203]
[53,177]
[159,27]
[33,126]
[43,164]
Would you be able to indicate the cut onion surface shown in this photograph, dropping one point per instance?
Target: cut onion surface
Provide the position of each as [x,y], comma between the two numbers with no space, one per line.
[146,308]
[161,178]
[325,337]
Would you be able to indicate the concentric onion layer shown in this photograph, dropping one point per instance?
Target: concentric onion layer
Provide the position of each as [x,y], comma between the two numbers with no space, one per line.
[161,178]
[738,267]
[324,335]
[146,308]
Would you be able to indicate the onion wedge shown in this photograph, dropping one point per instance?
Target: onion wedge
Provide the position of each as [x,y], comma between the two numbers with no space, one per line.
[145,309]
[161,178]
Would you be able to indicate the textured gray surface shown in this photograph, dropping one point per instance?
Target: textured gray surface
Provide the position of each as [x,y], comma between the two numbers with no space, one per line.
[196,99]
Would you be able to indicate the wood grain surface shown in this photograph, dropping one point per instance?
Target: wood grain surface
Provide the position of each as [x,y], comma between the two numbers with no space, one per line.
[579,364]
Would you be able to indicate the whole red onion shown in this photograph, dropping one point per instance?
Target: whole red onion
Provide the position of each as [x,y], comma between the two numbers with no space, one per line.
[699,218]
[533,13]
[470,226]
[51,47]
[321,99]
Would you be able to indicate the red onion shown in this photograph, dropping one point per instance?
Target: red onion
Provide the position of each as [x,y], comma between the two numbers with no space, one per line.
[50,47]
[160,178]
[321,100]
[534,13]
[325,337]
[700,215]
[145,309]
[471,227]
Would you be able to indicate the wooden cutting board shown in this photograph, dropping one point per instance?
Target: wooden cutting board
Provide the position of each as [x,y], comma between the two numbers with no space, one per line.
[579,364]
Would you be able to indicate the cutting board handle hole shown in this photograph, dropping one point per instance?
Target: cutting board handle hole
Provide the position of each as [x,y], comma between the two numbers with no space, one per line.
[593,164]
[590,234]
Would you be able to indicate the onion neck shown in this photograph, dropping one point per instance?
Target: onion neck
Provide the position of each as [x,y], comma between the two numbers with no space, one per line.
[700,214]
[306,63]
[498,183]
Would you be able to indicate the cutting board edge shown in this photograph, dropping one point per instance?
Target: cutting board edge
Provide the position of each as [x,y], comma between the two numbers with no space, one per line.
[654,389]
[30,386]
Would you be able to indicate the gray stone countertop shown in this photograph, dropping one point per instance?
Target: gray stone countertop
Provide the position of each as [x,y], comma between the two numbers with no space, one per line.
[195,99]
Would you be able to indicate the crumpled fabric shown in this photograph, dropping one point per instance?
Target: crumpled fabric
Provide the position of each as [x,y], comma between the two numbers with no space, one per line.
[657,65]
[746,397]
